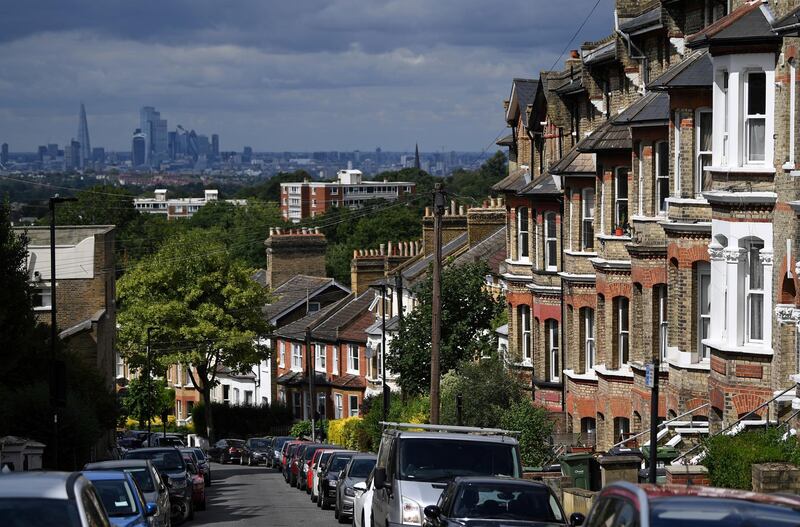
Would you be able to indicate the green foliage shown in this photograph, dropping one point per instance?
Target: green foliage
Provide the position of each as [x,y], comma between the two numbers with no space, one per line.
[535,426]
[409,410]
[729,458]
[136,399]
[423,180]
[487,388]
[478,184]
[270,190]
[349,433]
[301,429]
[203,306]
[467,313]
[99,205]
[242,420]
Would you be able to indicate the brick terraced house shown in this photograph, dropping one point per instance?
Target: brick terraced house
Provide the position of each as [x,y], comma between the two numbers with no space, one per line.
[652,210]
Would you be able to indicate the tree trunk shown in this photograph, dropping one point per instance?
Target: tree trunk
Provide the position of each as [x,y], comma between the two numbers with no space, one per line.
[205,392]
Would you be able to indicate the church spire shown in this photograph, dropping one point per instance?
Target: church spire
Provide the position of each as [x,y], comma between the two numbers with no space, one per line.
[416,157]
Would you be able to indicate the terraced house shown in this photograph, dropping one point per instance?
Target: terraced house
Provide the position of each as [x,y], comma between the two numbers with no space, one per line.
[652,213]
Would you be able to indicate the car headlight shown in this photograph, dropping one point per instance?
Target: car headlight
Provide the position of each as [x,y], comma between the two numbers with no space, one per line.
[177,483]
[349,492]
[412,513]
[333,483]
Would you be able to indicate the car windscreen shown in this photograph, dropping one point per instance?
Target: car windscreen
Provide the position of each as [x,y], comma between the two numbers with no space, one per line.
[506,501]
[442,459]
[360,468]
[38,512]
[143,478]
[257,443]
[238,443]
[164,460]
[117,497]
[338,463]
[199,453]
[694,511]
[279,442]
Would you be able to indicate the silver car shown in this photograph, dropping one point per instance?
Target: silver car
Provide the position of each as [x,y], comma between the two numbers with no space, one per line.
[356,471]
[414,466]
[149,481]
[63,498]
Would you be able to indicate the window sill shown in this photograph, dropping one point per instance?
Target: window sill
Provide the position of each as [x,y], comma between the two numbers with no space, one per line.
[647,219]
[624,371]
[526,261]
[580,253]
[590,376]
[353,372]
[43,309]
[683,360]
[613,237]
[747,349]
[745,169]
[697,200]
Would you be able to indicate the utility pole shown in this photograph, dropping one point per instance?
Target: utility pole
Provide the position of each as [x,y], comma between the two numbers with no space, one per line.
[58,379]
[149,387]
[436,301]
[398,287]
[386,399]
[654,422]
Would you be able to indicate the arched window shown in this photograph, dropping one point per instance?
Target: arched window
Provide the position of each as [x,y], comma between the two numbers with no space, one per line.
[622,428]
[550,242]
[551,329]
[703,311]
[660,296]
[522,233]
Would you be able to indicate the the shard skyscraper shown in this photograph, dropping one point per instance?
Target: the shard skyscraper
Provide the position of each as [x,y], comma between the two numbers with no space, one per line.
[83,138]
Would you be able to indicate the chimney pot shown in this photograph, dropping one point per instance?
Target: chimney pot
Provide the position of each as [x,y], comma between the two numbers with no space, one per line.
[485,204]
[355,253]
[383,248]
[427,211]
[461,211]
[316,230]
[574,54]
[452,207]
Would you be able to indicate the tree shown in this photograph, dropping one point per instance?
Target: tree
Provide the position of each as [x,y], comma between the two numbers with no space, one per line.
[535,427]
[478,184]
[138,399]
[467,313]
[487,388]
[203,307]
[99,205]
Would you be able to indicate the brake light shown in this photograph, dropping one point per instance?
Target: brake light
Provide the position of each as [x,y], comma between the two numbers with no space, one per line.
[233,450]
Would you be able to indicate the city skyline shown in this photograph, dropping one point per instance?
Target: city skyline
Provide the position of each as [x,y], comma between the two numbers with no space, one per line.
[337,75]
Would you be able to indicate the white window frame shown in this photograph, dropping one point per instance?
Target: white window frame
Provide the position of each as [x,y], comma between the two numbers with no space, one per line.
[661,203]
[587,219]
[335,361]
[620,200]
[524,317]
[551,327]
[338,407]
[676,162]
[699,154]
[297,357]
[281,354]
[590,355]
[350,405]
[662,299]
[45,292]
[748,118]
[753,292]
[320,355]
[550,242]
[640,193]
[703,314]
[352,359]
[523,236]
[725,90]
[623,330]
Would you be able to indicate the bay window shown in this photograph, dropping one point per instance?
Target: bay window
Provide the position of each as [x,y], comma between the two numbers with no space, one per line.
[754,291]
[587,315]
[550,245]
[662,176]
[587,219]
[660,293]
[352,358]
[755,117]
[703,133]
[319,352]
[297,357]
[703,309]
[522,233]
[524,315]
[621,198]
[623,331]
[551,327]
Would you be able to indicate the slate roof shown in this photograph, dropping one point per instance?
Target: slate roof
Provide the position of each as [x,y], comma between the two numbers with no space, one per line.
[412,273]
[330,325]
[525,92]
[541,186]
[648,20]
[506,141]
[491,250]
[299,378]
[747,23]
[601,53]
[650,109]
[513,182]
[293,292]
[571,87]
[348,381]
[502,330]
[608,136]
[574,162]
[392,323]
[784,23]
[297,329]
[694,71]
[260,277]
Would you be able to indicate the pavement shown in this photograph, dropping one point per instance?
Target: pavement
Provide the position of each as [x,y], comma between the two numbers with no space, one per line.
[242,496]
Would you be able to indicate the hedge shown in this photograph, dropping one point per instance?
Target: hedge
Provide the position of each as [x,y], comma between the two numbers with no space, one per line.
[349,433]
[241,420]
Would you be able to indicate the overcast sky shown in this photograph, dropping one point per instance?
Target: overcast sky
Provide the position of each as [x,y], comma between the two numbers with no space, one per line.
[278,75]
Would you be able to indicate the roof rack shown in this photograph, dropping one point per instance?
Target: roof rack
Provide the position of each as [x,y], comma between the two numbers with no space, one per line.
[452,428]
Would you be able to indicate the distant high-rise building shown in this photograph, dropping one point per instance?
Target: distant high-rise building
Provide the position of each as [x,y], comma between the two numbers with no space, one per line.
[203,145]
[172,144]
[416,157]
[42,152]
[98,155]
[378,156]
[192,149]
[139,148]
[247,155]
[215,145]
[83,137]
[72,155]
[52,150]
[155,130]
[4,153]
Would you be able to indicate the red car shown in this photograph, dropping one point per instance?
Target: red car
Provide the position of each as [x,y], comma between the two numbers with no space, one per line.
[198,484]
[289,449]
[623,503]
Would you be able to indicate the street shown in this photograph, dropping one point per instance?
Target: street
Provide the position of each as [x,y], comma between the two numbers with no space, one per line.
[242,496]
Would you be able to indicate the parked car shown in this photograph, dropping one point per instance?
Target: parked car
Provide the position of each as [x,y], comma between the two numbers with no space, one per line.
[290,462]
[169,462]
[362,503]
[149,481]
[198,484]
[494,501]
[274,459]
[330,478]
[623,503]
[294,464]
[322,461]
[201,460]
[227,451]
[286,456]
[123,500]
[256,449]
[164,440]
[63,498]
[413,465]
[356,471]
[304,464]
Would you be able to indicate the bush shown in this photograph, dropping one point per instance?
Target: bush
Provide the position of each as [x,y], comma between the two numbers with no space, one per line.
[301,429]
[241,421]
[535,427]
[349,433]
[413,410]
[729,459]
[487,388]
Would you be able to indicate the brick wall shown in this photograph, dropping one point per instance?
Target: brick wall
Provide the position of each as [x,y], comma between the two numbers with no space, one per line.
[294,251]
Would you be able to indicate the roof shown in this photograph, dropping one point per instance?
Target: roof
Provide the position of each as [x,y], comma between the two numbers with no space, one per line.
[413,271]
[294,292]
[349,381]
[51,485]
[572,86]
[105,475]
[117,464]
[601,53]
[297,329]
[608,136]
[506,141]
[651,109]
[647,21]
[392,324]
[513,182]
[502,330]
[575,162]
[543,185]
[85,325]
[747,23]
[260,277]
[523,92]
[694,71]
[491,250]
[299,378]
[787,22]
[331,324]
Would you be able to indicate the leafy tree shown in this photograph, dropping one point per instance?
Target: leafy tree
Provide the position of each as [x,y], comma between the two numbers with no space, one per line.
[535,427]
[423,180]
[467,313]
[137,399]
[203,307]
[478,184]
[487,388]
[99,205]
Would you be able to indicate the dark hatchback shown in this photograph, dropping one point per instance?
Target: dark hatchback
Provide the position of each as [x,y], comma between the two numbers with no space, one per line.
[170,464]
[256,450]
[329,479]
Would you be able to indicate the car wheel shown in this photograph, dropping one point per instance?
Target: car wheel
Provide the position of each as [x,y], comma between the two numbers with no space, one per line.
[323,502]
[336,512]
[190,516]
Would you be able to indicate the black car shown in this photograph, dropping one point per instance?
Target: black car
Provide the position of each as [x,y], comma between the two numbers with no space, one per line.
[256,450]
[227,451]
[276,445]
[489,501]
[170,464]
[329,479]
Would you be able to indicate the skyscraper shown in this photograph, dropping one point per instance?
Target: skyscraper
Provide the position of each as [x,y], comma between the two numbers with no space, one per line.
[42,153]
[155,130]
[83,138]
[72,155]
[215,145]
[247,155]
[4,153]
[139,148]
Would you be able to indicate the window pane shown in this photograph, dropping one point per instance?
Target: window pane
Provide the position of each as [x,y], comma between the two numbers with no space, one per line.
[551,226]
[623,314]
[705,176]
[523,242]
[588,203]
[705,297]
[622,183]
[756,269]
[663,193]
[588,234]
[756,316]
[757,93]
[755,139]
[663,159]
[705,131]
[551,253]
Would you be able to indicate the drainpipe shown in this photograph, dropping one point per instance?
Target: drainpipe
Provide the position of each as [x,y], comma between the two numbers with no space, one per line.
[640,57]
[563,313]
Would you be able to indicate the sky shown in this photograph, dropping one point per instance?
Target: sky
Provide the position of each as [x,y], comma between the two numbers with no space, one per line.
[298,75]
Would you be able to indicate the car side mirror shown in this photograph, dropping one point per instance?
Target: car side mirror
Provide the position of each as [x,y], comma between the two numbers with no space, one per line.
[432,512]
[576,519]
[150,509]
[361,485]
[379,479]
[341,474]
